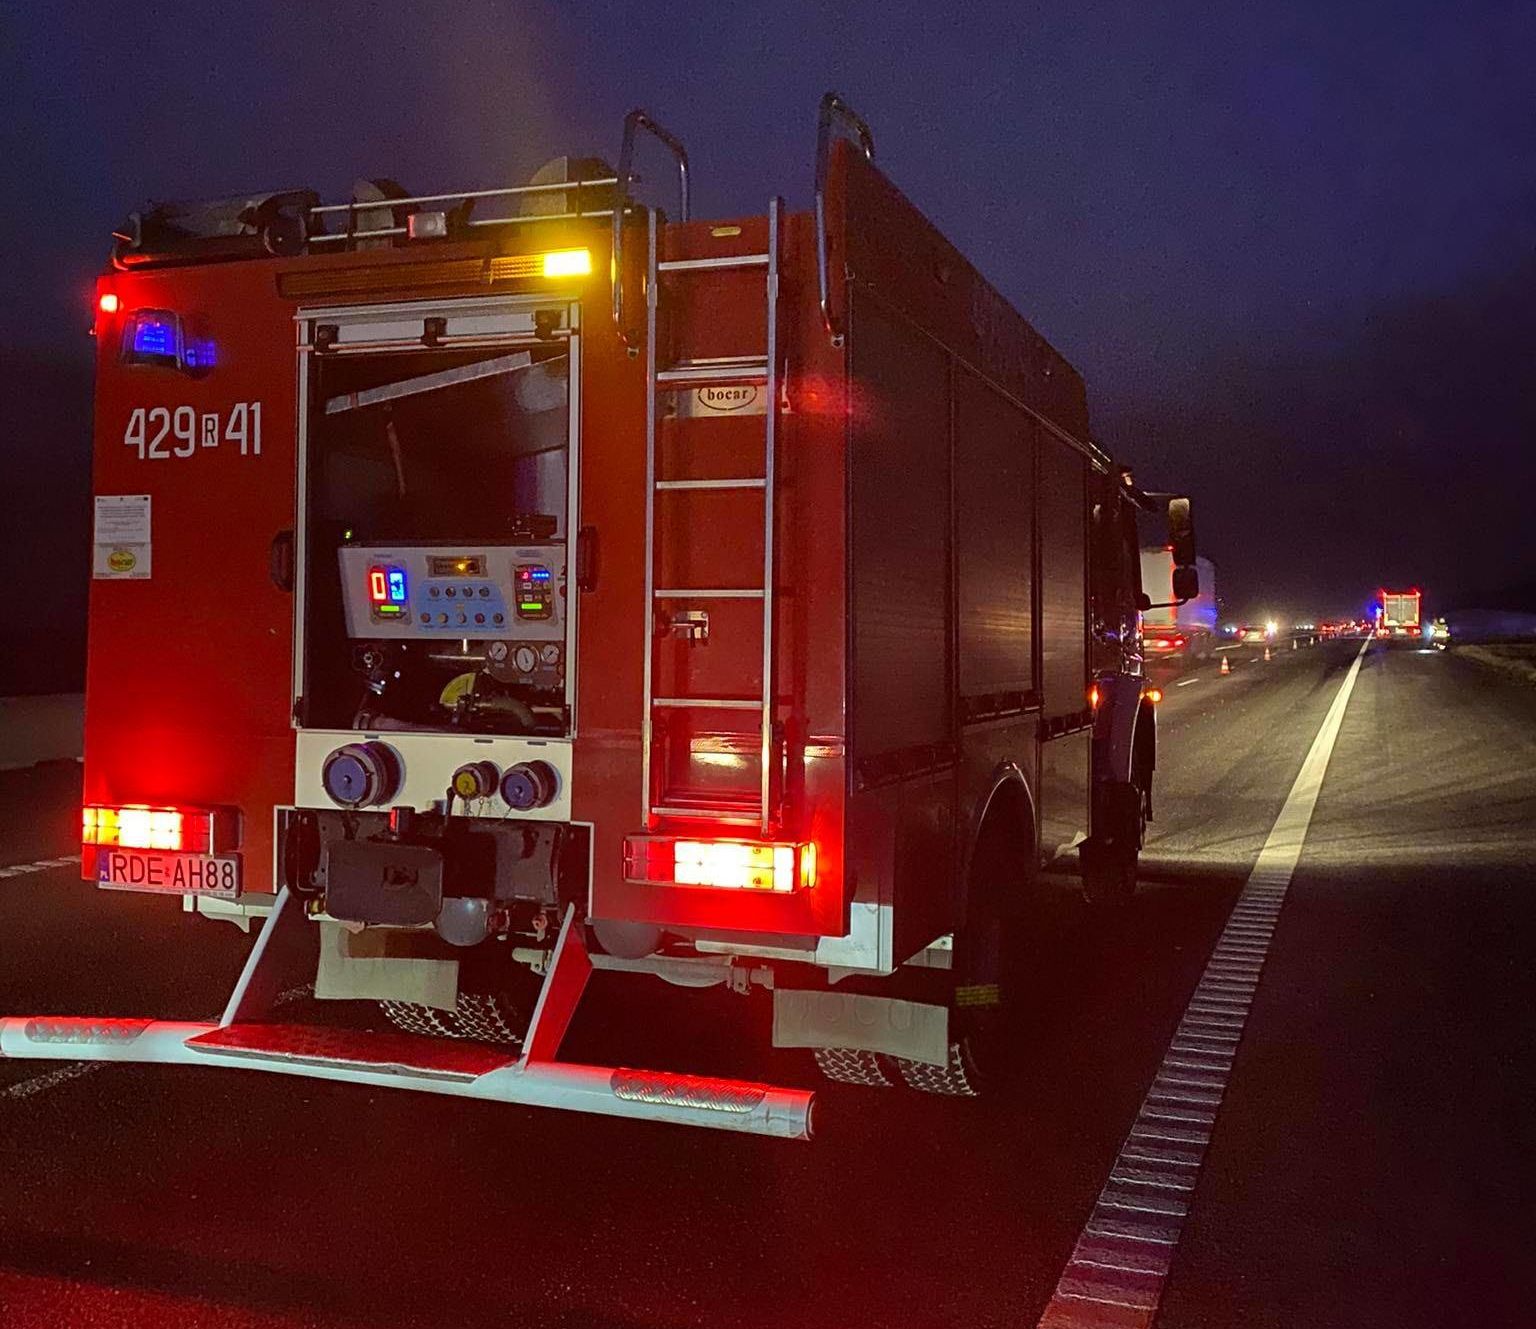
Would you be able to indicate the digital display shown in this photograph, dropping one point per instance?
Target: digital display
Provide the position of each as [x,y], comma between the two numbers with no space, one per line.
[386,589]
[535,594]
[456,565]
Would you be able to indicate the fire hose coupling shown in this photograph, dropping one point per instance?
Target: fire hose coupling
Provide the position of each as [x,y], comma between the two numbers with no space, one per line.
[361,775]
[475,779]
[529,785]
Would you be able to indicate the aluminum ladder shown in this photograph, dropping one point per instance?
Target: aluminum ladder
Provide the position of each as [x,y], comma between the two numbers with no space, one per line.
[696,373]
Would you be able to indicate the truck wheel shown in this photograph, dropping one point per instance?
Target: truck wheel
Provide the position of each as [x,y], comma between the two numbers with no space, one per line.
[981,1023]
[960,1077]
[856,1066]
[480,1017]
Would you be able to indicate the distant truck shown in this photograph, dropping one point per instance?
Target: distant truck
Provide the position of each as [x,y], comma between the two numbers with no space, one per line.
[1172,631]
[1400,612]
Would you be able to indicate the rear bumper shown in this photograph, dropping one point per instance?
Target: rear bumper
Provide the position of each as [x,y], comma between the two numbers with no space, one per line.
[431,1066]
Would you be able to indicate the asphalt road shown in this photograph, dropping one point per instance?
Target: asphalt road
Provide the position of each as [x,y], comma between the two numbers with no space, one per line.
[1365,1166]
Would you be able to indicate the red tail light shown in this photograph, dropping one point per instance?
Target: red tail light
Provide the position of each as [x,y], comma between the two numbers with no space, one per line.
[747,865]
[182,830]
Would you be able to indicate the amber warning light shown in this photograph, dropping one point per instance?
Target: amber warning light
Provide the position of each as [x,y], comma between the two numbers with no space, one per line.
[728,864]
[567,263]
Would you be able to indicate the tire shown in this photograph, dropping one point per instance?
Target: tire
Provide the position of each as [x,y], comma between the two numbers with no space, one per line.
[982,1024]
[856,1066]
[477,1017]
[960,1077]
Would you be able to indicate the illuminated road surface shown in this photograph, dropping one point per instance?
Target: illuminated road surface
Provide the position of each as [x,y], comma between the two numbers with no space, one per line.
[1362,1168]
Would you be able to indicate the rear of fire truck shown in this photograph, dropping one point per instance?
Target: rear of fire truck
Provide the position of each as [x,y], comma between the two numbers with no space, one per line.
[498,588]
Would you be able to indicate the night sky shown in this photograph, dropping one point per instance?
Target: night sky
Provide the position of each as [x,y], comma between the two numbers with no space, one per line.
[1291,248]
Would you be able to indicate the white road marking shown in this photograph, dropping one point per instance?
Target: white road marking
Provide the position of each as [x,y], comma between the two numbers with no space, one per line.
[1184,683]
[1104,1269]
[71,1070]
[42,865]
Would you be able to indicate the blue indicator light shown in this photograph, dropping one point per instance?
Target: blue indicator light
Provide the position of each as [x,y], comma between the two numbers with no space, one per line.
[397,585]
[199,355]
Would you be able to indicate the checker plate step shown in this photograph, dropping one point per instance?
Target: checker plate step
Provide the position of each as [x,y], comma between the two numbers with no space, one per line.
[361,1050]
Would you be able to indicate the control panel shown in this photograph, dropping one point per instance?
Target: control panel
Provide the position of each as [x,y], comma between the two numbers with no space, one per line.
[486,593]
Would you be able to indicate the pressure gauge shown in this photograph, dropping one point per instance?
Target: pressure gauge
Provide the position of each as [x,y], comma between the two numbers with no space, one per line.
[525,660]
[497,652]
[550,654]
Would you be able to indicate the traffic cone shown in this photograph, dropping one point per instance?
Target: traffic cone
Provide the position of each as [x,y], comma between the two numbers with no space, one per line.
[1226,664]
[1266,652]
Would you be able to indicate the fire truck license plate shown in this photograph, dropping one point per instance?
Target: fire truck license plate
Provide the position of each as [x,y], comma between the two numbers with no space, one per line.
[152,870]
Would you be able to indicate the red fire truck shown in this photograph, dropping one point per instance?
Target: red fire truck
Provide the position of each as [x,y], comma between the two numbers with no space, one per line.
[498,587]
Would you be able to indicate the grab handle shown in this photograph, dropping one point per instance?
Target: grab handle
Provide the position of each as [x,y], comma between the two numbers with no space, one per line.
[835,114]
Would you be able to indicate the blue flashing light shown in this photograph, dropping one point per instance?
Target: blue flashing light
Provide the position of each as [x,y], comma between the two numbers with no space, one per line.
[397,585]
[155,334]
[200,355]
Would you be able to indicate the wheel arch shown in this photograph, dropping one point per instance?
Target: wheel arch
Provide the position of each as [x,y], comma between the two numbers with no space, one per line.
[1008,810]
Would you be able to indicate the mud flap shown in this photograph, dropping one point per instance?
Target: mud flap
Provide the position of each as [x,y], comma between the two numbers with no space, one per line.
[913,1030]
[370,966]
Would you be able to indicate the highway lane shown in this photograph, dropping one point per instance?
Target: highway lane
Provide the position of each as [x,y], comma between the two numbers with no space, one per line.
[137,1195]
[1372,1159]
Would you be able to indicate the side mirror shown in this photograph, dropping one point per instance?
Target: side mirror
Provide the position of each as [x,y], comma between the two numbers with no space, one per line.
[1181,534]
[1186,583]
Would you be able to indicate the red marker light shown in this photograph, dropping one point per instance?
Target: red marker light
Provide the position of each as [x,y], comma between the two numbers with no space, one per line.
[378,586]
[108,303]
[172,829]
[729,864]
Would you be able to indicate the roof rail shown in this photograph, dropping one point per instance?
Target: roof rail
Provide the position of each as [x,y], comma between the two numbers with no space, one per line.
[464,200]
[291,221]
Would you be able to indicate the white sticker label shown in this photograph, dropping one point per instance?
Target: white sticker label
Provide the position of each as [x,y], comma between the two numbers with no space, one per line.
[120,546]
[733,397]
[725,399]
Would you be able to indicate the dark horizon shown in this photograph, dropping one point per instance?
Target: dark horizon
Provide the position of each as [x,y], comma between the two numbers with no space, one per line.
[1293,261]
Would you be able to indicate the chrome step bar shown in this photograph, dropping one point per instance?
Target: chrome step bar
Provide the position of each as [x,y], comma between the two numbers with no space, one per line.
[743,482]
[754,371]
[246,1038]
[699,264]
[710,593]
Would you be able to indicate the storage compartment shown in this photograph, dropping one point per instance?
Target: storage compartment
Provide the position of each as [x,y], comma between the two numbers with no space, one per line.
[436,544]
